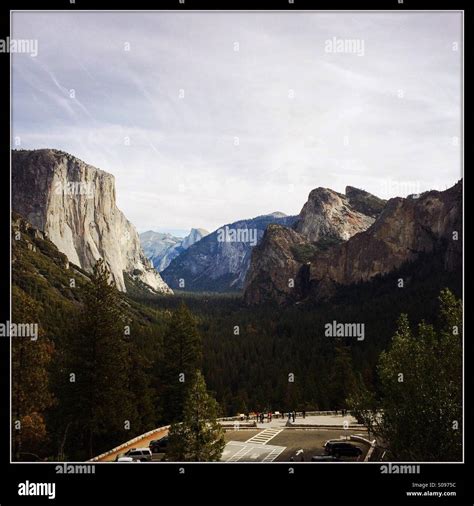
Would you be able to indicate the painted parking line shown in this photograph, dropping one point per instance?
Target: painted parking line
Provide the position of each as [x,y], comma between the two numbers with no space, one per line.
[239,454]
[264,437]
[236,451]
[273,454]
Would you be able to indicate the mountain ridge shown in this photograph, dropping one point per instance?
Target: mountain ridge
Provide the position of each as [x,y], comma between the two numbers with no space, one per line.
[287,268]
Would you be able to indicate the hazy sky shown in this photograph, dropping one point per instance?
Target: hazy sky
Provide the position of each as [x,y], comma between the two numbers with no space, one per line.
[206,118]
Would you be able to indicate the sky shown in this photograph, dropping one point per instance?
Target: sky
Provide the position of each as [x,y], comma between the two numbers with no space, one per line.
[208,118]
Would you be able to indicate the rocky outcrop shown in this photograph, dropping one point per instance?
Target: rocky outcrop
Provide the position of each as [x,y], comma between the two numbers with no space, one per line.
[161,248]
[193,237]
[73,203]
[401,230]
[279,269]
[219,261]
[405,229]
[330,215]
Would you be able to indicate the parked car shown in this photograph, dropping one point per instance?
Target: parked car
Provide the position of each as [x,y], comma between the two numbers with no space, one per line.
[337,449]
[126,459]
[159,445]
[141,454]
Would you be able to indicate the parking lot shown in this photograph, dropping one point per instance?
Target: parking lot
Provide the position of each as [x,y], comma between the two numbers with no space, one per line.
[284,445]
[276,440]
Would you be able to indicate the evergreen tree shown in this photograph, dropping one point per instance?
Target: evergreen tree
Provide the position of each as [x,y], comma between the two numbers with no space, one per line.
[419,414]
[31,394]
[96,375]
[342,379]
[181,360]
[143,396]
[199,437]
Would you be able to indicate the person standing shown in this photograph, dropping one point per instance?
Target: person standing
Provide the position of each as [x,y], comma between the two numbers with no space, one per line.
[304,413]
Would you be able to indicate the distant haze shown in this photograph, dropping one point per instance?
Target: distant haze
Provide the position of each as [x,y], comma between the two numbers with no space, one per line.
[208,118]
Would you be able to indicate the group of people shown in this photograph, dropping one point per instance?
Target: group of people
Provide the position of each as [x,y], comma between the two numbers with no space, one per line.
[260,416]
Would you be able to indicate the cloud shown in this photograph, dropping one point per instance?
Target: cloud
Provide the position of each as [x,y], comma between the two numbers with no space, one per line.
[214,134]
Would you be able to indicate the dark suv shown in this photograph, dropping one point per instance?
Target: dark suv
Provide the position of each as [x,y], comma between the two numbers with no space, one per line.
[159,445]
[342,449]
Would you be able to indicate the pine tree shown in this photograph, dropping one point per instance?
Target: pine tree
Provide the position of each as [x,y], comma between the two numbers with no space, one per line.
[199,437]
[31,393]
[97,396]
[181,360]
[342,380]
[143,416]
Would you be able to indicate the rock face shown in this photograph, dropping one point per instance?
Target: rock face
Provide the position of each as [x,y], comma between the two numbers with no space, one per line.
[279,269]
[155,244]
[399,232]
[405,229]
[276,272]
[193,237]
[73,203]
[161,248]
[331,216]
[220,260]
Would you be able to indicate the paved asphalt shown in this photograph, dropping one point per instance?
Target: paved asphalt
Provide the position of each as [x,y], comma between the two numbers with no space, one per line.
[290,441]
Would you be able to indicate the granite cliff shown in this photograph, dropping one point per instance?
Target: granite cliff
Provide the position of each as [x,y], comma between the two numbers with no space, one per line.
[342,240]
[74,204]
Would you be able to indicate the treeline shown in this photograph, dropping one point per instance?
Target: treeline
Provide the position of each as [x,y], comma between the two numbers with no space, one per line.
[251,353]
[105,379]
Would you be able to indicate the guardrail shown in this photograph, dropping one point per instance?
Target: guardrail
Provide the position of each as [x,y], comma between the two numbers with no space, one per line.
[128,443]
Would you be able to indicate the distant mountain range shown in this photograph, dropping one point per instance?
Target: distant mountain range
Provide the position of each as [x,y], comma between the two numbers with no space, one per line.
[162,248]
[220,260]
[336,240]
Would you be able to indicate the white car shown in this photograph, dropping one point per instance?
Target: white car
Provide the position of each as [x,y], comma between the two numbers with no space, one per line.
[126,459]
[141,454]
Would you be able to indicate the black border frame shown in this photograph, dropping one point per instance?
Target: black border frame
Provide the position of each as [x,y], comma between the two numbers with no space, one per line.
[217,483]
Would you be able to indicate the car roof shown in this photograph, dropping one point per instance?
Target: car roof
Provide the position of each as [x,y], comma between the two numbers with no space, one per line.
[140,449]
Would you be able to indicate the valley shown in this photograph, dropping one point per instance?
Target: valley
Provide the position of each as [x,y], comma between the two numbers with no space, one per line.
[253,316]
